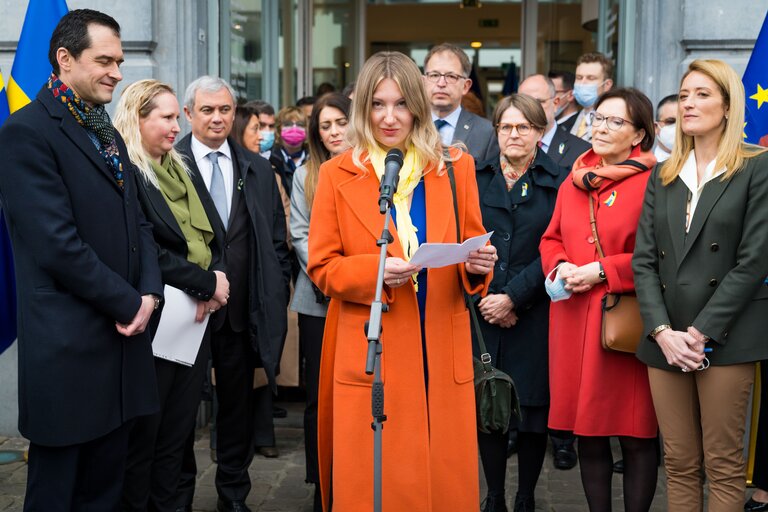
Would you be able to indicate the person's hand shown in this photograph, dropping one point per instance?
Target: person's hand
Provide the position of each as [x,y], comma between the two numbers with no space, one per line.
[482,260]
[509,320]
[699,339]
[206,308]
[677,349]
[495,306]
[580,279]
[140,320]
[221,294]
[398,272]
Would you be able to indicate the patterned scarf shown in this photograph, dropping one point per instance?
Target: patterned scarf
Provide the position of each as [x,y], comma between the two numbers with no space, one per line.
[589,172]
[95,120]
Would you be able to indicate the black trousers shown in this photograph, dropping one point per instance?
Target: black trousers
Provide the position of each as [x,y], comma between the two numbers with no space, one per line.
[157,442]
[311,341]
[760,474]
[85,477]
[234,361]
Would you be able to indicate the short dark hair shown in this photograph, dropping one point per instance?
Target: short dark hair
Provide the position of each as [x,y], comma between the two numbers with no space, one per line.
[466,66]
[568,78]
[672,98]
[306,100]
[261,107]
[639,110]
[605,63]
[324,88]
[243,114]
[72,33]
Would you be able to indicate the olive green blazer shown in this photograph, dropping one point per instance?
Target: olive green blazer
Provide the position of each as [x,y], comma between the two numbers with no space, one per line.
[713,278]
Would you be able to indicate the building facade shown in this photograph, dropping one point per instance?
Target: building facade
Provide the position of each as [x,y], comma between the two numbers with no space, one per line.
[281,50]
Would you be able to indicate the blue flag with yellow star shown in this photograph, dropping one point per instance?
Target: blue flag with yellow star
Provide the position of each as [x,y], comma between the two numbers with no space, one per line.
[756,87]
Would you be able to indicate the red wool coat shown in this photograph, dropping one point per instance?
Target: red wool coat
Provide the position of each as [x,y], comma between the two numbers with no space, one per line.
[595,392]
[430,436]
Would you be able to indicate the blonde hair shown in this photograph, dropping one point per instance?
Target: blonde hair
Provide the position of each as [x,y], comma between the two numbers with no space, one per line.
[731,151]
[136,103]
[404,72]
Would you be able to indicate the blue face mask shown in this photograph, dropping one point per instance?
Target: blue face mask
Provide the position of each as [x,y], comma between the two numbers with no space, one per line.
[267,141]
[585,94]
[556,288]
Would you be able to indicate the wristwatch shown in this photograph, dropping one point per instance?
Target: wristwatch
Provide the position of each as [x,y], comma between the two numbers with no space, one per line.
[657,330]
[601,274]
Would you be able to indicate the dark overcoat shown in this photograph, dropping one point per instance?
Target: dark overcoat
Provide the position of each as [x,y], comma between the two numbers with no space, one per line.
[518,218]
[713,278]
[269,267]
[84,257]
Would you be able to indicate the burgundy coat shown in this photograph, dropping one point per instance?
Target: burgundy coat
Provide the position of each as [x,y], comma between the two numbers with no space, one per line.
[594,392]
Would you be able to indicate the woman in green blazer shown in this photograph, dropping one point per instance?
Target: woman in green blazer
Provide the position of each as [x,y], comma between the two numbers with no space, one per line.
[700,265]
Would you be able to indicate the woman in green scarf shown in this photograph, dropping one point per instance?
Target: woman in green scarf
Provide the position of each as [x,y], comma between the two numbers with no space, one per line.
[147,118]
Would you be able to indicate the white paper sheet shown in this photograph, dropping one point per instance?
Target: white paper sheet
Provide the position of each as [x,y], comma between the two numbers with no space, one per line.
[431,255]
[178,336]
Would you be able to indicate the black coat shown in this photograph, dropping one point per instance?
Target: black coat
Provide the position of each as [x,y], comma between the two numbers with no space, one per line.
[518,219]
[84,257]
[269,268]
[176,270]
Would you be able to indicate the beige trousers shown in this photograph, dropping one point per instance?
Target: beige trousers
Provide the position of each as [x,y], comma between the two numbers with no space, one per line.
[702,418]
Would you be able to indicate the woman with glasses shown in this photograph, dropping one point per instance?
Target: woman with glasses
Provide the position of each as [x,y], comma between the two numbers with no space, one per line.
[594,392]
[429,458]
[517,198]
[700,268]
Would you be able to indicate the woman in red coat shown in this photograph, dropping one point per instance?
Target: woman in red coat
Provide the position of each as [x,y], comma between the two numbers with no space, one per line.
[596,393]
[430,436]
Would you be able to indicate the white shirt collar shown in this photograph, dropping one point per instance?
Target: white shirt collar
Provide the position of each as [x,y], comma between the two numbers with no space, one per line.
[452,118]
[688,175]
[200,150]
[546,140]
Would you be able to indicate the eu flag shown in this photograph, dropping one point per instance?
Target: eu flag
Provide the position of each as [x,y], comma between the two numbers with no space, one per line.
[756,87]
[4,112]
[30,65]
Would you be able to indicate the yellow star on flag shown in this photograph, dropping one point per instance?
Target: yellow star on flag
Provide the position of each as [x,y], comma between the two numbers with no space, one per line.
[744,133]
[761,96]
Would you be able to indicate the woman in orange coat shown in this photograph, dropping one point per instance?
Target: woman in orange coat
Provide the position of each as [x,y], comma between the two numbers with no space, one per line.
[429,439]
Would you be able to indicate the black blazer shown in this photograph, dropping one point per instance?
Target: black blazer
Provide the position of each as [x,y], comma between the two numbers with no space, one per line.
[269,269]
[713,277]
[176,270]
[518,219]
[84,256]
[565,148]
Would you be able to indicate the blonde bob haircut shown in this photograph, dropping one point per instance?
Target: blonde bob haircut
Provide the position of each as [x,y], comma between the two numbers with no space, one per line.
[136,103]
[400,68]
[731,151]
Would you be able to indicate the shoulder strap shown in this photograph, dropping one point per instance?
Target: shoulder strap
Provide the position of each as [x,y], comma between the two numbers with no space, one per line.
[485,357]
[593,224]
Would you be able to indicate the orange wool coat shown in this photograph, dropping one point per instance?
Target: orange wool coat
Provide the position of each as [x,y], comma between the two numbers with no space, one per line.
[430,436]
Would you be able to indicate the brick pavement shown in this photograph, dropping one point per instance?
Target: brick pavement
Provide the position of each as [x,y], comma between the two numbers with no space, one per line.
[278,484]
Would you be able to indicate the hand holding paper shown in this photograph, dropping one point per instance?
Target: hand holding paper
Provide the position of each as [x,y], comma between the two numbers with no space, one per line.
[433,255]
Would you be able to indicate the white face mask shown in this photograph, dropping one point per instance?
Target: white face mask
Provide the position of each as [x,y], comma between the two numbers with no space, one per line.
[556,288]
[667,137]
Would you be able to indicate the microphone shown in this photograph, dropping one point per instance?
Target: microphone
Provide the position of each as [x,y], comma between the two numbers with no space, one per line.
[392,164]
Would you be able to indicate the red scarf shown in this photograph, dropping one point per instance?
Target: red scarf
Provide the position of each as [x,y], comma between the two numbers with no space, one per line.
[589,173]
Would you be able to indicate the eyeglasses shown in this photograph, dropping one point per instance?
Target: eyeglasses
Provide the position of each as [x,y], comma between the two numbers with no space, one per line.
[667,121]
[288,124]
[450,78]
[614,123]
[523,129]
[544,100]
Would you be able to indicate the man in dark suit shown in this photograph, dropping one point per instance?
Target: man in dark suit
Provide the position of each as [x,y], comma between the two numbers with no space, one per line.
[239,193]
[446,77]
[567,108]
[560,146]
[87,274]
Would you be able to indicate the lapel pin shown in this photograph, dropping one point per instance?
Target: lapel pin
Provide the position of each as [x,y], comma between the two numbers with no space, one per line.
[525,190]
[611,199]
[240,184]
[561,148]
[466,127]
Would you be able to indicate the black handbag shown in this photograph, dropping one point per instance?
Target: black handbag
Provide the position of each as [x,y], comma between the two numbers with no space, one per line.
[495,393]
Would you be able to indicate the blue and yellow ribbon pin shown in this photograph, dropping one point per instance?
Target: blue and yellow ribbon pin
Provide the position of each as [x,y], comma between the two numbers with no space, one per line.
[611,199]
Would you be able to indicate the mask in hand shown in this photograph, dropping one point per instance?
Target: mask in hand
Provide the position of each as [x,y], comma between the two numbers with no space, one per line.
[556,288]
[293,135]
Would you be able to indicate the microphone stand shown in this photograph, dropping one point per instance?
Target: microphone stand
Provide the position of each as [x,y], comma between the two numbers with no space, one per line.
[373,359]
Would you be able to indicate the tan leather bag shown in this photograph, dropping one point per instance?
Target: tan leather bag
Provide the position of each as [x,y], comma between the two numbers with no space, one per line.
[622,324]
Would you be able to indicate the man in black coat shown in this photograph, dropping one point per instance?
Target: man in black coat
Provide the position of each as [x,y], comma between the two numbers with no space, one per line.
[86,270]
[562,147]
[239,193]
